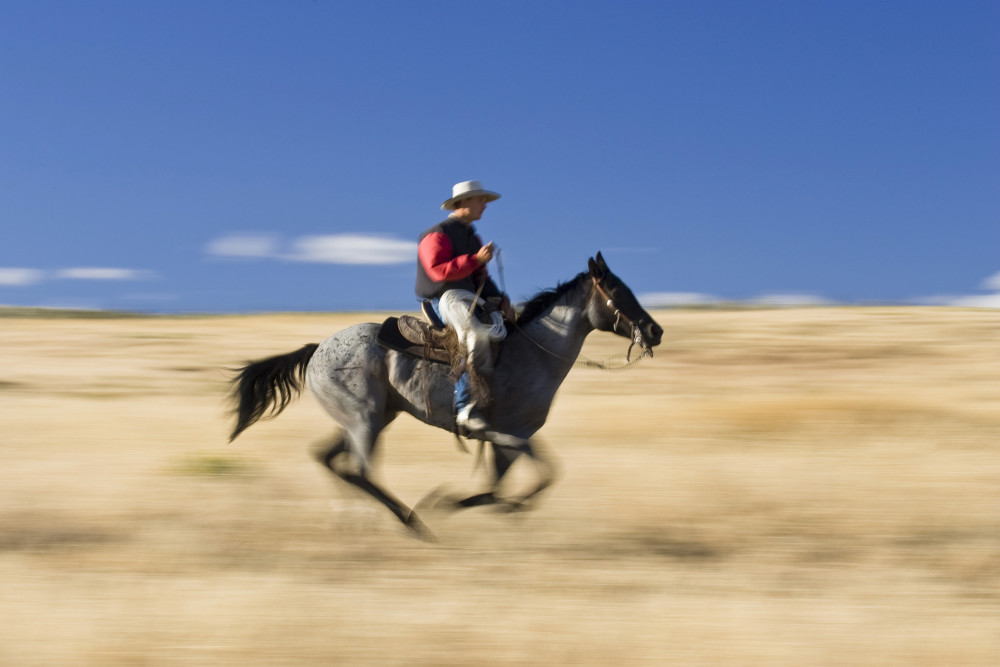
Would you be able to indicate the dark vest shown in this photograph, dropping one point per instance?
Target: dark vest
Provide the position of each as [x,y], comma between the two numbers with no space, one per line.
[464,241]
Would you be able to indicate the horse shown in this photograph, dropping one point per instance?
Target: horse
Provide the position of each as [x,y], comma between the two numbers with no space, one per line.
[364,386]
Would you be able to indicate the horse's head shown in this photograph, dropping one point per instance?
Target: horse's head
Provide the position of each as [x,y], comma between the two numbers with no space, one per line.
[614,308]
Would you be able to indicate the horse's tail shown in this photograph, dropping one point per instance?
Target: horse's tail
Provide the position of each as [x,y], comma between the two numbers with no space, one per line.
[262,389]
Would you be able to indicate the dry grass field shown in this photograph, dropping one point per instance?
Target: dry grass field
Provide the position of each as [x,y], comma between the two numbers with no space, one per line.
[775,487]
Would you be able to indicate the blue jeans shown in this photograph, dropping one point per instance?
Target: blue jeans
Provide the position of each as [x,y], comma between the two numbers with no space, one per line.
[462,393]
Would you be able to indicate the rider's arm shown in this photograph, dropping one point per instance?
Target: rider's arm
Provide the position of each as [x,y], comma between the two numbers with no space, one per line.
[436,255]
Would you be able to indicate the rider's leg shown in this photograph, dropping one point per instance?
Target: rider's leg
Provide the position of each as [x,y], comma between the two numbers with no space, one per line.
[436,305]
[454,307]
[463,395]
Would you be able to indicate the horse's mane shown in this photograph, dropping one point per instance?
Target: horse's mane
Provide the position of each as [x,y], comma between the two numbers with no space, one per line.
[542,301]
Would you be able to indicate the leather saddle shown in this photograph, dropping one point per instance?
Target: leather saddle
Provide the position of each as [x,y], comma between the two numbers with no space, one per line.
[415,337]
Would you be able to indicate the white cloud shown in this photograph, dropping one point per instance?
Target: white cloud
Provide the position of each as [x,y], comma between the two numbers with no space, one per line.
[352,249]
[20,277]
[992,283]
[329,249]
[962,301]
[248,245]
[968,300]
[670,299]
[979,301]
[103,273]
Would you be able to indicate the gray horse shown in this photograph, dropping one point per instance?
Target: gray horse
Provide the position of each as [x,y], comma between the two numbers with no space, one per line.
[364,386]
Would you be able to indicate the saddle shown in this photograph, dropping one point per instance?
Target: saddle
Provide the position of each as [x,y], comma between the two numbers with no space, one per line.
[412,336]
[430,340]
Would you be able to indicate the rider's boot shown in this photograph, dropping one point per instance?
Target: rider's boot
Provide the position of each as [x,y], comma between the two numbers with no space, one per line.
[468,416]
[471,419]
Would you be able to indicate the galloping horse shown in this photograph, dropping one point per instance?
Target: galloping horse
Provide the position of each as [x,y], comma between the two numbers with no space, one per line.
[364,386]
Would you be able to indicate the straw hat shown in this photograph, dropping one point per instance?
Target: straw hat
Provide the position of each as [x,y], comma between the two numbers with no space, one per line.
[467,189]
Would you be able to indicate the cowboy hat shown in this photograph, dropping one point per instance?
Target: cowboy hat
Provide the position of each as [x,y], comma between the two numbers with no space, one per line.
[467,189]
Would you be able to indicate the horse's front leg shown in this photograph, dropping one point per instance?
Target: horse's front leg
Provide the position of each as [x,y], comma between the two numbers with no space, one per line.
[545,470]
[504,456]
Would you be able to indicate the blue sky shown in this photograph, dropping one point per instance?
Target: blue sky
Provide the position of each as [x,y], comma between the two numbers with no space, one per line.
[258,156]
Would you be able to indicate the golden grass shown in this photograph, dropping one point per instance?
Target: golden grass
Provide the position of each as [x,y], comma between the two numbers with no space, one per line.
[786,487]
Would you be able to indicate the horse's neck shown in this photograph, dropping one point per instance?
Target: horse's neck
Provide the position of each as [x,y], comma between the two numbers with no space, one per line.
[538,355]
[557,335]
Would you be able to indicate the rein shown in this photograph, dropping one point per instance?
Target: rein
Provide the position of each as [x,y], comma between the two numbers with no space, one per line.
[582,360]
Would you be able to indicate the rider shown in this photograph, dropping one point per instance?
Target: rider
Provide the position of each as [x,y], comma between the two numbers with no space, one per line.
[451,269]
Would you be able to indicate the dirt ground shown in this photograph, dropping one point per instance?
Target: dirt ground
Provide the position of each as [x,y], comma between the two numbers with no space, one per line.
[775,487]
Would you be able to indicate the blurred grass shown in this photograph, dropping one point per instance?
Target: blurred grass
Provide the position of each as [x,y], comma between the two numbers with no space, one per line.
[209,465]
[816,486]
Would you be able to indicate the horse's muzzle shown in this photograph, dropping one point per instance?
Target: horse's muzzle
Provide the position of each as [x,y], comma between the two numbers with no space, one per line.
[652,334]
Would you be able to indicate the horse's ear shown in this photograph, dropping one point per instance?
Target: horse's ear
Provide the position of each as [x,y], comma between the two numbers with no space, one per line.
[600,261]
[595,267]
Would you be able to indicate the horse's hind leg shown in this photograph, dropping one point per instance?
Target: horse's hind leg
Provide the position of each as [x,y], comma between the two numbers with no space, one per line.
[337,454]
[327,451]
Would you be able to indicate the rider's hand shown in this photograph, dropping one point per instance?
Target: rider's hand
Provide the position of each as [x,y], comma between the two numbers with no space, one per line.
[485,254]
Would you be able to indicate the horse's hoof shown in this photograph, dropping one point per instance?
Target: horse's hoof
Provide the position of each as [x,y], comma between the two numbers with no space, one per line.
[513,506]
[419,529]
[437,501]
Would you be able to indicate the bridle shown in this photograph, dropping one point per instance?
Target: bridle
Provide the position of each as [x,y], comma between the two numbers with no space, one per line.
[636,332]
